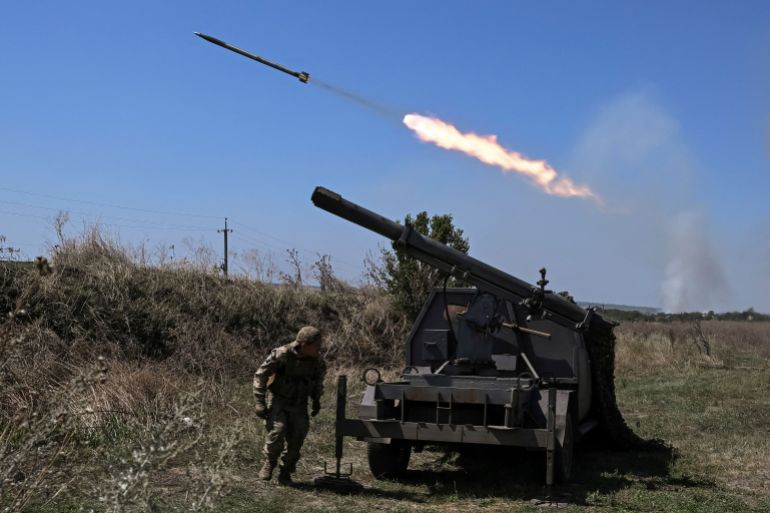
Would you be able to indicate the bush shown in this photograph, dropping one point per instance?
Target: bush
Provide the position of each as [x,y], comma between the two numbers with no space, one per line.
[409,281]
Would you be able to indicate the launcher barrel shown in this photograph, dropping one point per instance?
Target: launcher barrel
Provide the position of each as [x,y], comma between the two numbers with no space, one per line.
[444,257]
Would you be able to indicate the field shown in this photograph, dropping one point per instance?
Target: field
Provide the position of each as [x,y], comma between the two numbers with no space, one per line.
[715,414]
[128,388]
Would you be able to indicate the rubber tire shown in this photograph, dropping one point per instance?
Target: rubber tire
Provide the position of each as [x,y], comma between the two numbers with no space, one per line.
[565,453]
[388,461]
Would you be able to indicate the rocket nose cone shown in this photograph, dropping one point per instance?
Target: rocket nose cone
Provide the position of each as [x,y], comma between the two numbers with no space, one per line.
[210,39]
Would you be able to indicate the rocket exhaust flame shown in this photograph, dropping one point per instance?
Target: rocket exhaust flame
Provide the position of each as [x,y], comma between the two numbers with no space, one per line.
[429,129]
[486,149]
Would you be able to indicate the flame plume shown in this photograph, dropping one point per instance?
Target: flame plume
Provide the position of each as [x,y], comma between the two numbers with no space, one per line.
[487,150]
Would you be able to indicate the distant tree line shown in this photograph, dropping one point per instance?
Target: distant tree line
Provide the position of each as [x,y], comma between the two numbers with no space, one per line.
[634,315]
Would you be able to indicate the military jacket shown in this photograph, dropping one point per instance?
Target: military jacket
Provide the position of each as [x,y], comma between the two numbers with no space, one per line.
[290,378]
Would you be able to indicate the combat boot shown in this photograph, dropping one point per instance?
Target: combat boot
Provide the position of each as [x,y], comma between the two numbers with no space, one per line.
[284,477]
[266,472]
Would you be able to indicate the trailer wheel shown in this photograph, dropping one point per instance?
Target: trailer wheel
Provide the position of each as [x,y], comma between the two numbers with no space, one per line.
[388,461]
[564,453]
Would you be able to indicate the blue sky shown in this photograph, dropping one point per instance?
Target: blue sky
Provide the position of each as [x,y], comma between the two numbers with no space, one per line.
[662,108]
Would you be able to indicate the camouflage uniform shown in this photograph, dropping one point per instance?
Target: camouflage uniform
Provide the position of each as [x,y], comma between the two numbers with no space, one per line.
[291,380]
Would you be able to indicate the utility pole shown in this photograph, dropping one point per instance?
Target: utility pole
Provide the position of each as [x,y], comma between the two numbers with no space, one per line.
[225,231]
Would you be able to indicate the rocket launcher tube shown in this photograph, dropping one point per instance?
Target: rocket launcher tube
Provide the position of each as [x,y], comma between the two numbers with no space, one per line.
[443,257]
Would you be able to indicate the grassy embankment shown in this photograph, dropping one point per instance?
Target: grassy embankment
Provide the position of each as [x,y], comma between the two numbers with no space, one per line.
[162,421]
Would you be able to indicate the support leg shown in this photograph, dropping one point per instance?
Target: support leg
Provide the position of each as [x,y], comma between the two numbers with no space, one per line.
[551,448]
[342,394]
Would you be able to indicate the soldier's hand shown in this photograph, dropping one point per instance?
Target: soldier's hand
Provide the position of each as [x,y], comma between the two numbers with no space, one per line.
[316,408]
[261,410]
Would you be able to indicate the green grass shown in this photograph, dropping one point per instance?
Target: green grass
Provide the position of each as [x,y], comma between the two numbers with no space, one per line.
[717,419]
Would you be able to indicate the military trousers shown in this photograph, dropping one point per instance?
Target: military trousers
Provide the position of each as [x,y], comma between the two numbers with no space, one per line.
[287,426]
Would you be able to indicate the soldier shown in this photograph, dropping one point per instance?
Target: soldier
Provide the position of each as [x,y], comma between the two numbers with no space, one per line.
[293,373]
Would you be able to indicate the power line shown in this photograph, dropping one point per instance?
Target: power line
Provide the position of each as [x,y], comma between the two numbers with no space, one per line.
[252,240]
[264,234]
[172,226]
[241,235]
[282,249]
[291,244]
[112,205]
[147,224]
[284,242]
[100,223]
[19,214]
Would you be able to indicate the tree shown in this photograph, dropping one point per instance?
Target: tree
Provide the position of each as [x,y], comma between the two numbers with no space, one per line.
[407,280]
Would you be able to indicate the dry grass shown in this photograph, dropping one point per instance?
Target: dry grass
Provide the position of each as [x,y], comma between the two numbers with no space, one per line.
[647,346]
[105,432]
[97,299]
[125,371]
[127,388]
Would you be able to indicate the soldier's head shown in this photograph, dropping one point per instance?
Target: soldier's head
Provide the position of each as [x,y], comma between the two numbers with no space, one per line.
[309,339]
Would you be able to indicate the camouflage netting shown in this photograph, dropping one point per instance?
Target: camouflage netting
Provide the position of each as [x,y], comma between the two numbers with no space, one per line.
[612,429]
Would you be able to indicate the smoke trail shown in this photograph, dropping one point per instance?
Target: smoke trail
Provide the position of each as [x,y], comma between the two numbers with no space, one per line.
[377,108]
